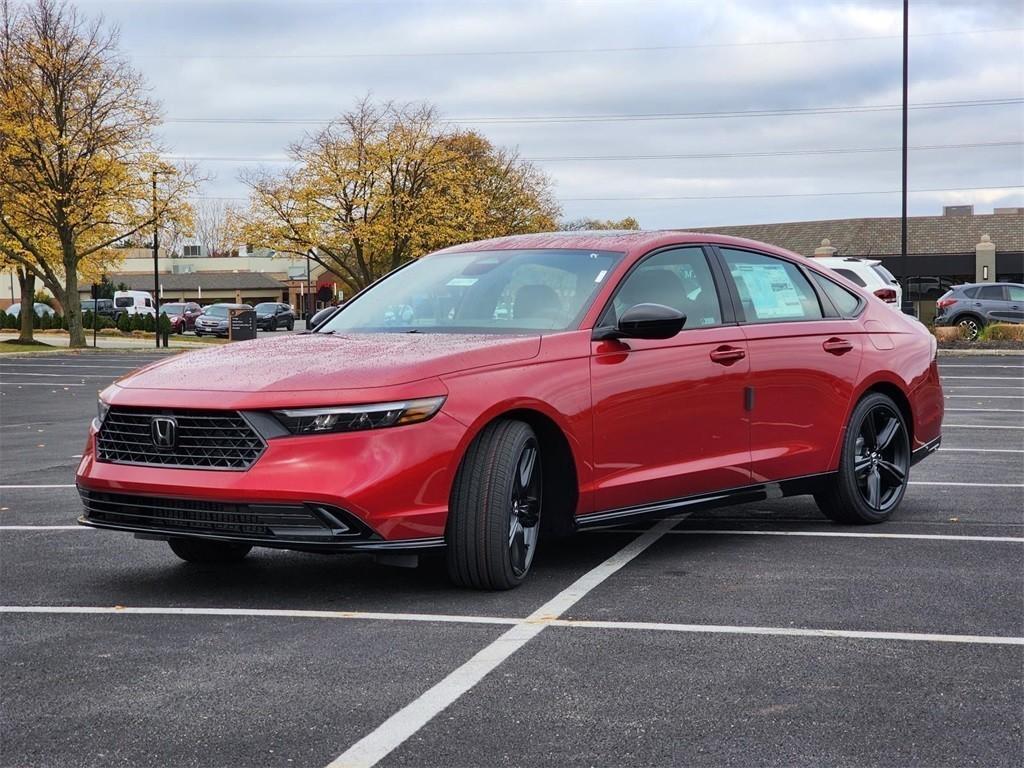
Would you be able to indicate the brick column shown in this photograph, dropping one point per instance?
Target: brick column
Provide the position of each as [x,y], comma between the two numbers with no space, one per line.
[985,261]
[825,249]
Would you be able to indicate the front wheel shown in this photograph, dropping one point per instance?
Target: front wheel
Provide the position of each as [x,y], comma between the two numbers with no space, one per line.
[494,515]
[874,465]
[272,326]
[207,551]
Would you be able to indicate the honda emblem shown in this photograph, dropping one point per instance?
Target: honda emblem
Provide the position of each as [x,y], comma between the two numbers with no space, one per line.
[164,431]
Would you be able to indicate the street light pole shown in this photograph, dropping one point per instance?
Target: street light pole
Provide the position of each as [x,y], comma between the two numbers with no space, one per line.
[306,304]
[903,217]
[156,269]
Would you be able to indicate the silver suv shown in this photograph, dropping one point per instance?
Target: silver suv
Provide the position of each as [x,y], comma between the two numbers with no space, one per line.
[972,306]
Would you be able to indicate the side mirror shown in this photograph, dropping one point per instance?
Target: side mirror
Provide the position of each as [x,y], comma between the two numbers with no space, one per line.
[648,321]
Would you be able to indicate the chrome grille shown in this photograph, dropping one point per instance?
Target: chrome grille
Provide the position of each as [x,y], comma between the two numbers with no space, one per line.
[205,439]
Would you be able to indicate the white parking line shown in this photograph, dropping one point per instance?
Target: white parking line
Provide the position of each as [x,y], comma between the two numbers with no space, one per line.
[985,410]
[46,528]
[960,365]
[968,485]
[988,396]
[407,721]
[39,384]
[21,487]
[540,623]
[944,449]
[984,378]
[4,365]
[792,632]
[978,386]
[826,534]
[51,376]
[979,426]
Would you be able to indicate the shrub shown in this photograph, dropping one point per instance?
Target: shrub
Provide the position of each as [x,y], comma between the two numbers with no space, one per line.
[3,318]
[148,323]
[163,324]
[1002,332]
[124,323]
[137,322]
[947,332]
[12,321]
[45,322]
[58,322]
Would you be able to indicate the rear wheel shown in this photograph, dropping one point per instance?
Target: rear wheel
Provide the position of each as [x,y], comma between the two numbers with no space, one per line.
[494,516]
[272,325]
[291,325]
[874,466]
[970,326]
[206,551]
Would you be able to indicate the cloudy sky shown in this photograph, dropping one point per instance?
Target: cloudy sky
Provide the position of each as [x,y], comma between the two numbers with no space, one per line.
[656,83]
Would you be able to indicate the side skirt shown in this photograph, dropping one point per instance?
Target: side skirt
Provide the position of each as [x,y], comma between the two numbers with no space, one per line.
[925,450]
[796,486]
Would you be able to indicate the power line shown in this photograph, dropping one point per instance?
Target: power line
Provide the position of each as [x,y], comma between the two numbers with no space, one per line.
[609,158]
[785,194]
[729,197]
[561,51]
[634,117]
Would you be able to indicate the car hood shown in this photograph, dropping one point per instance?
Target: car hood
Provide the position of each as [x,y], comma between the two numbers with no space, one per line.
[328,362]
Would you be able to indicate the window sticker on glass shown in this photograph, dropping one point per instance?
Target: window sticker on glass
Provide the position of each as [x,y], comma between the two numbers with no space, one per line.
[459,282]
[600,275]
[771,290]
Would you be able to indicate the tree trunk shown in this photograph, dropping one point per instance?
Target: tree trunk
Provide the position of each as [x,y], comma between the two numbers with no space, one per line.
[27,284]
[73,309]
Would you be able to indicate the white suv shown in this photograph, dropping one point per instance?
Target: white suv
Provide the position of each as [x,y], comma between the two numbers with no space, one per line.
[867,273]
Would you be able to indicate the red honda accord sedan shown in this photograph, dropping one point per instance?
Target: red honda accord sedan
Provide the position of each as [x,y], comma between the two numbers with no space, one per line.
[499,393]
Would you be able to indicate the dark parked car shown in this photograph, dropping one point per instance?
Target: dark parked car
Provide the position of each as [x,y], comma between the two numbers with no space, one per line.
[271,315]
[972,306]
[103,307]
[215,319]
[182,315]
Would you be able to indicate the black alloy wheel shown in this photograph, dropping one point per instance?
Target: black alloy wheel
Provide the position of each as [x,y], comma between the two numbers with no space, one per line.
[495,508]
[874,467]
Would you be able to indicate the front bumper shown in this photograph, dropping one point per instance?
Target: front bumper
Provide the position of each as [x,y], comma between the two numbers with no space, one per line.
[213,330]
[388,489]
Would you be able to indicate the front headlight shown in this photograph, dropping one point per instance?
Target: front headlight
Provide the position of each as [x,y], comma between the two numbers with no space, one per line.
[353,418]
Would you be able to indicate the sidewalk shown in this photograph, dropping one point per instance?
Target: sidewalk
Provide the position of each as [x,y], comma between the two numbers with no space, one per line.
[110,342]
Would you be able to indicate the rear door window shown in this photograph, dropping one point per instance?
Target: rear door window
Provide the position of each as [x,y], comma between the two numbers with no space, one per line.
[771,289]
[991,293]
[1016,292]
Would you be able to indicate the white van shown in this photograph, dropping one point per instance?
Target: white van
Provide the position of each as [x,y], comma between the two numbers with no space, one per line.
[867,273]
[134,302]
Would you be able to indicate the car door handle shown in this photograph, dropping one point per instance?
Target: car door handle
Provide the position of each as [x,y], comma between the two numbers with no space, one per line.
[727,355]
[837,346]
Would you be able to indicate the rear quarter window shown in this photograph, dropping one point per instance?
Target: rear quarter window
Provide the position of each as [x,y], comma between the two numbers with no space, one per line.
[846,303]
[852,276]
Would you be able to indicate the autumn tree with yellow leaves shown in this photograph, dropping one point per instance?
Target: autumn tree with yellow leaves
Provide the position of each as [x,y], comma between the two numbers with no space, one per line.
[385,183]
[77,152]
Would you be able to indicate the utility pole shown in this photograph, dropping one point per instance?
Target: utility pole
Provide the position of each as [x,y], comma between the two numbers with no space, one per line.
[309,301]
[903,219]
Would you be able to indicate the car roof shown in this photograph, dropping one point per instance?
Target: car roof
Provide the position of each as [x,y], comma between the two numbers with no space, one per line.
[630,242]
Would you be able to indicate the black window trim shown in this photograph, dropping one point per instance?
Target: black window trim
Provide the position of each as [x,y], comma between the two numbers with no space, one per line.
[828,310]
[726,306]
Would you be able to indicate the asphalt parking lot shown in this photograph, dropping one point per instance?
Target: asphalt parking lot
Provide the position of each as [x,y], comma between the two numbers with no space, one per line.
[755,635]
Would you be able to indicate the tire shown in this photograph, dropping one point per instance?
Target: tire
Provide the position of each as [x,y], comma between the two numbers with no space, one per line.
[494,514]
[207,551]
[272,325]
[872,478]
[970,326]
[291,326]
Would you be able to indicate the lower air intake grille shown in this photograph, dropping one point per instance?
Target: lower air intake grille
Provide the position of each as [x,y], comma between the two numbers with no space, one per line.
[252,521]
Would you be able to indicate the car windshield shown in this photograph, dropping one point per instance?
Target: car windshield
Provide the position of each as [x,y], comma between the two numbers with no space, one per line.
[172,309]
[266,307]
[513,291]
[216,311]
[87,305]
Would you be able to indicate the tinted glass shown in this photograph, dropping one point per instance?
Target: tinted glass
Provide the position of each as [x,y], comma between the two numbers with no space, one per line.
[680,278]
[852,276]
[771,289]
[971,293]
[124,301]
[845,302]
[991,292]
[87,305]
[514,291]
[172,309]
[266,307]
[1016,292]
[884,273]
